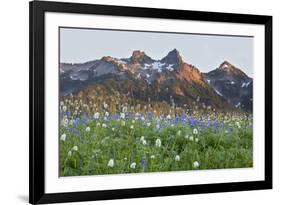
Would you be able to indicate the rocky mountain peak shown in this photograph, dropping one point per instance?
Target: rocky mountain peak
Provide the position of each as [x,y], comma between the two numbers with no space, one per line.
[173,57]
[225,65]
[230,69]
[140,57]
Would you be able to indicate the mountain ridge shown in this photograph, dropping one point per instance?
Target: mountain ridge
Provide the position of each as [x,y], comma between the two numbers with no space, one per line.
[160,80]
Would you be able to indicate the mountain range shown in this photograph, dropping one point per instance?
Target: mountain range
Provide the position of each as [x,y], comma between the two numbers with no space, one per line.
[169,79]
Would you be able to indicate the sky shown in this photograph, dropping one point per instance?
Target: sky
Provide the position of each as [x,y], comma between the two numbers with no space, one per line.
[206,52]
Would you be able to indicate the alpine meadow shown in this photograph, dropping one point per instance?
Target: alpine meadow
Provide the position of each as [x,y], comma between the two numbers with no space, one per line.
[138,114]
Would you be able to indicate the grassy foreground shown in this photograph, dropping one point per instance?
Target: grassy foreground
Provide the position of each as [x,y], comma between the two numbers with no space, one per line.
[103,145]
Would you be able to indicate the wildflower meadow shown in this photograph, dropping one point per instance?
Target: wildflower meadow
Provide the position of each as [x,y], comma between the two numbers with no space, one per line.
[99,137]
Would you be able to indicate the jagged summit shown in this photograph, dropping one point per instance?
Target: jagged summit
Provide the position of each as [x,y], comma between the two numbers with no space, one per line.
[173,57]
[140,57]
[233,84]
[225,65]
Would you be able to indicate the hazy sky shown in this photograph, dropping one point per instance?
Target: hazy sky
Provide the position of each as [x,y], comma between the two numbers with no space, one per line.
[206,52]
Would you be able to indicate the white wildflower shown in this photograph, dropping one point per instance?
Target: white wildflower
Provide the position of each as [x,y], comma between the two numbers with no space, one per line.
[105,106]
[158,143]
[113,129]
[238,125]
[98,124]
[97,115]
[104,125]
[143,141]
[196,139]
[169,117]
[152,157]
[63,137]
[195,131]
[191,138]
[177,158]
[179,132]
[142,138]
[110,163]
[196,164]
[133,165]
[75,148]
[124,109]
[64,108]
[186,137]
[123,123]
[148,124]
[122,115]
[106,114]
[88,129]
[69,153]
[132,126]
[133,121]
[65,122]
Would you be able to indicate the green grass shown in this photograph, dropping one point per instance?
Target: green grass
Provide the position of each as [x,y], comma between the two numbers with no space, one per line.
[214,149]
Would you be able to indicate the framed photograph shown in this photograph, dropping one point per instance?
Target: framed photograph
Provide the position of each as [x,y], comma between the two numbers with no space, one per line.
[141,102]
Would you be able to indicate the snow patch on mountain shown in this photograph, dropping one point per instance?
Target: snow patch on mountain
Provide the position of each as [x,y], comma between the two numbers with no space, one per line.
[245,84]
[218,92]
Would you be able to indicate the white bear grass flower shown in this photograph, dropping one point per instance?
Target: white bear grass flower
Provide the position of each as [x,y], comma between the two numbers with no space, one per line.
[238,125]
[191,138]
[63,137]
[97,115]
[158,142]
[75,148]
[88,129]
[110,163]
[64,108]
[196,164]
[122,115]
[133,165]
[105,105]
[177,158]
[106,114]
[195,131]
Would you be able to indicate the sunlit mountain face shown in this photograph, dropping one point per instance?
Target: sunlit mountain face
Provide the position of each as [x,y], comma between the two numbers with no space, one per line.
[169,81]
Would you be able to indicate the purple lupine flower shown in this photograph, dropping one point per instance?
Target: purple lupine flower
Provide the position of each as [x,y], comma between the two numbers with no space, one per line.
[144,164]
[193,121]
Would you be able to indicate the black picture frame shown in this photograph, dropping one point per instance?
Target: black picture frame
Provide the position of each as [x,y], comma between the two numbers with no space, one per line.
[37,11]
